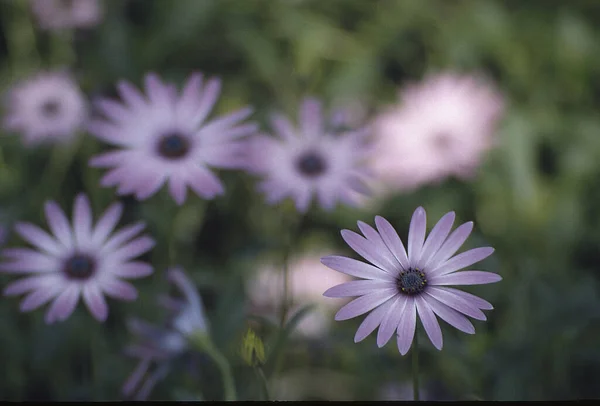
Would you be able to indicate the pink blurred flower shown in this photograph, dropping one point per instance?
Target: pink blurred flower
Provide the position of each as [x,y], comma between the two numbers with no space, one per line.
[442,128]
[160,345]
[320,157]
[77,260]
[57,14]
[166,138]
[47,107]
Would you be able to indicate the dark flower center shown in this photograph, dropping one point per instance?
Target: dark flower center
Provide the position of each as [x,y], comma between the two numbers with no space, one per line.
[311,164]
[442,141]
[411,282]
[173,146]
[50,108]
[80,267]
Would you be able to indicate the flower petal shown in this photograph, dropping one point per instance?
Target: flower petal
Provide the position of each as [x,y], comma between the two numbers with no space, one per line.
[449,315]
[436,238]
[456,302]
[432,327]
[283,127]
[122,236]
[372,321]
[452,244]
[95,302]
[59,224]
[352,267]
[311,120]
[27,260]
[385,253]
[40,297]
[133,249]
[368,250]
[391,321]
[119,289]
[465,278]
[38,237]
[133,269]
[391,238]
[177,189]
[107,223]
[210,93]
[407,326]
[474,300]
[357,288]
[364,304]
[461,261]
[63,305]
[416,236]
[204,183]
[38,282]
[82,221]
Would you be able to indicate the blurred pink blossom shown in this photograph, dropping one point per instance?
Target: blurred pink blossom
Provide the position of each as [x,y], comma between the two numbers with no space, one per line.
[57,14]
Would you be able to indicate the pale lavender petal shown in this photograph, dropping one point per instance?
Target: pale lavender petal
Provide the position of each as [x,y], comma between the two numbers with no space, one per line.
[95,302]
[108,159]
[327,198]
[119,289]
[357,288]
[449,315]
[465,278]
[223,124]
[204,183]
[355,268]
[134,248]
[134,269]
[177,189]
[38,237]
[151,381]
[392,240]
[107,132]
[136,376]
[382,249]
[59,224]
[456,302]
[391,321]
[121,236]
[131,95]
[311,118]
[436,238]
[432,327]
[64,305]
[372,321]
[367,250]
[283,127]
[157,91]
[364,304]
[149,184]
[191,91]
[474,300]
[461,261]
[416,236]
[38,282]
[210,93]
[27,260]
[452,244]
[107,223]
[406,328]
[82,221]
[112,110]
[40,297]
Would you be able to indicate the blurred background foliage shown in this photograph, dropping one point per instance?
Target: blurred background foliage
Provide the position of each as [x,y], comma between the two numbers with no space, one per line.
[534,199]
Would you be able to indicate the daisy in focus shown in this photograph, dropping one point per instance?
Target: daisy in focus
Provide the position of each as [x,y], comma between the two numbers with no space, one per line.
[59,14]
[159,345]
[320,158]
[401,284]
[47,107]
[166,137]
[77,260]
[442,128]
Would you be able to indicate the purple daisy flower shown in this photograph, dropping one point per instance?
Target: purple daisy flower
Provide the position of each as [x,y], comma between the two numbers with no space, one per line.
[400,285]
[160,345]
[81,260]
[165,137]
[322,158]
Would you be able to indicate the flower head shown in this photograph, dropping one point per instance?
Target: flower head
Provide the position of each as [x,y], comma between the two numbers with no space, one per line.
[46,107]
[165,137]
[400,284]
[57,14]
[326,159]
[442,128]
[77,260]
[160,345]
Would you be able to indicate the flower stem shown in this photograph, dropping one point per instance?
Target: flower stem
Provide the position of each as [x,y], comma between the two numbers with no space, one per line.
[415,366]
[203,343]
[263,381]
[292,226]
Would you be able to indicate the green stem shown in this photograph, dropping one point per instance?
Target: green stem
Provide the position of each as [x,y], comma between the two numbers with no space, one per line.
[263,381]
[22,49]
[292,227]
[415,366]
[203,343]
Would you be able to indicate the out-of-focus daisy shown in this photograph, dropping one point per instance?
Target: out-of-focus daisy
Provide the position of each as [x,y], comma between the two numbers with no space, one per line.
[160,345]
[47,107]
[308,278]
[322,158]
[57,14]
[166,138]
[442,128]
[400,285]
[77,260]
